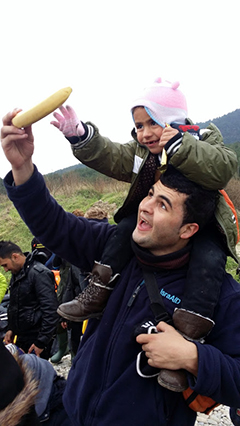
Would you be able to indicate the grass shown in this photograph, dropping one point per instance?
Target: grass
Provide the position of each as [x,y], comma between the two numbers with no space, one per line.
[231,268]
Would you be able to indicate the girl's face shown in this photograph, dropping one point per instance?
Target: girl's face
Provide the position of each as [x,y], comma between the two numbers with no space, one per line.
[148,131]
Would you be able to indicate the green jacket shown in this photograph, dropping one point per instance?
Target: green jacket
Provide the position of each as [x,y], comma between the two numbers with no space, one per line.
[3,286]
[210,164]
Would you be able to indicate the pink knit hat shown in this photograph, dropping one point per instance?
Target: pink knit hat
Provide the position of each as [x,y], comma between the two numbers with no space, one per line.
[163,102]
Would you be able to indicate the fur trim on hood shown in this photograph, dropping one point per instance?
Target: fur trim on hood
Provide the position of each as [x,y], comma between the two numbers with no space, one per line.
[24,401]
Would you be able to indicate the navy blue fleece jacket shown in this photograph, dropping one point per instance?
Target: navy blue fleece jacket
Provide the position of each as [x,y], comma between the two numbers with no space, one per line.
[103,387]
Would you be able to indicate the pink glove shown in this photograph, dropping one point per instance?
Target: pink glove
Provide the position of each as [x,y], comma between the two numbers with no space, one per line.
[68,123]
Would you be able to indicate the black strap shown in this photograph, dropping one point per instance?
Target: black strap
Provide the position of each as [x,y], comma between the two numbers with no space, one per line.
[156,302]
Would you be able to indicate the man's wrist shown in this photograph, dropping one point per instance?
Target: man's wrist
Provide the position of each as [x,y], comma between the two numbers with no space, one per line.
[191,363]
[22,174]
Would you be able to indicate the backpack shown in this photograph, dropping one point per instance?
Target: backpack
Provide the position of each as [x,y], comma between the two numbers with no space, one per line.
[231,205]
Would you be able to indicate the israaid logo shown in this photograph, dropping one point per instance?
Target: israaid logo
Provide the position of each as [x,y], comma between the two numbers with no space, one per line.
[171,297]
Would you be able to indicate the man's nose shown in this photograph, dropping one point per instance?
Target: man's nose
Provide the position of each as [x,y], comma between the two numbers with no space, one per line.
[148,205]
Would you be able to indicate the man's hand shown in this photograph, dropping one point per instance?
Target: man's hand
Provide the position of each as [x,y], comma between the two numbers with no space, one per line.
[18,148]
[8,337]
[68,123]
[168,349]
[34,348]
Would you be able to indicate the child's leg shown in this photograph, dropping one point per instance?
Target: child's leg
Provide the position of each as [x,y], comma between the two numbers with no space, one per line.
[91,302]
[205,273]
[201,294]
[203,285]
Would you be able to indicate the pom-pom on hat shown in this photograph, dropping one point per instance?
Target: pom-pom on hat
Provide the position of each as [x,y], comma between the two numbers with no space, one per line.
[163,102]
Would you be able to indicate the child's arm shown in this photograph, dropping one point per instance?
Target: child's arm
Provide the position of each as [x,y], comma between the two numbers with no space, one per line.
[95,151]
[207,162]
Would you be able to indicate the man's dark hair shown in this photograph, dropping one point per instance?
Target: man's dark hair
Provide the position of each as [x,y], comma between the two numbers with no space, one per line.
[200,204]
[7,248]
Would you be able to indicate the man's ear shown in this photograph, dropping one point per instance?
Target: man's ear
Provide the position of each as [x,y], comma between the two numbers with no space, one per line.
[188,230]
[15,257]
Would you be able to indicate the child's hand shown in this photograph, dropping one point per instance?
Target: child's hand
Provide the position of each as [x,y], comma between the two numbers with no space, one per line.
[167,134]
[68,123]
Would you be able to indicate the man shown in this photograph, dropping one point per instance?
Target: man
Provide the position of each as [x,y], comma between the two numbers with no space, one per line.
[32,316]
[104,387]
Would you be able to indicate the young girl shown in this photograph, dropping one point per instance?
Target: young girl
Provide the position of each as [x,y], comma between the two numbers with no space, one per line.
[163,136]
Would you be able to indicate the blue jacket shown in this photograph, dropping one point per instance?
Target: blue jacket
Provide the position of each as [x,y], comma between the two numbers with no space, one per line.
[103,387]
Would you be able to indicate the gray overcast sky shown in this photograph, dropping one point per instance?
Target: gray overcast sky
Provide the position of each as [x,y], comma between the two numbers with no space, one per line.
[107,51]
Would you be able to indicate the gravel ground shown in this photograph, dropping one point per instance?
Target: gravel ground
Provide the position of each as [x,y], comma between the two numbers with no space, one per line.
[219,416]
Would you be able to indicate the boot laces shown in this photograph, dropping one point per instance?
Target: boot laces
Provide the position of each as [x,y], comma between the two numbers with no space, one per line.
[93,289]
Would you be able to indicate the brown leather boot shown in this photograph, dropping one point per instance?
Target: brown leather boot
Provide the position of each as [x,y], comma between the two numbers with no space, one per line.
[92,300]
[193,327]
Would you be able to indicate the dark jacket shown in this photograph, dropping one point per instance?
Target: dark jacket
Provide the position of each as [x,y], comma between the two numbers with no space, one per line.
[103,387]
[73,285]
[33,302]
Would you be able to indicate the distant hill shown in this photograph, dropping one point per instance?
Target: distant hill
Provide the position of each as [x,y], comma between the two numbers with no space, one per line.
[79,167]
[229,125]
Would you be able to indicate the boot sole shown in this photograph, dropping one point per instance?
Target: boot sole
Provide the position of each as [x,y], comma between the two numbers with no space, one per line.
[78,319]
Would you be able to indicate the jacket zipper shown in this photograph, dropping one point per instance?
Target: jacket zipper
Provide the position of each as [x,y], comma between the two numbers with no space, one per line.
[135,293]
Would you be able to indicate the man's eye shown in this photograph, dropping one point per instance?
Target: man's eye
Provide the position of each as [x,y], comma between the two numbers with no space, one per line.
[163,206]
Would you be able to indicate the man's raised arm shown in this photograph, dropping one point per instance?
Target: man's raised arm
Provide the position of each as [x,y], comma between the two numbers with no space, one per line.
[18,148]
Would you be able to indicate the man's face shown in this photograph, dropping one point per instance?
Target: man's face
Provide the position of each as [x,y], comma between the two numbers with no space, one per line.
[11,264]
[148,131]
[159,225]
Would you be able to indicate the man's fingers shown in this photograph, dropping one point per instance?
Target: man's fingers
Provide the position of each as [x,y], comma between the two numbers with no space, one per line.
[7,119]
[163,326]
[12,133]
[144,338]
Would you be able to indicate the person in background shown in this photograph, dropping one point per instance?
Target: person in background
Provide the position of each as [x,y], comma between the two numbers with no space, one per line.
[3,286]
[32,316]
[64,268]
[62,335]
[49,256]
[47,389]
[18,392]
[73,282]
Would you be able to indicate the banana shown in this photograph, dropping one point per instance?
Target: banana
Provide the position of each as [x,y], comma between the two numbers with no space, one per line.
[24,119]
